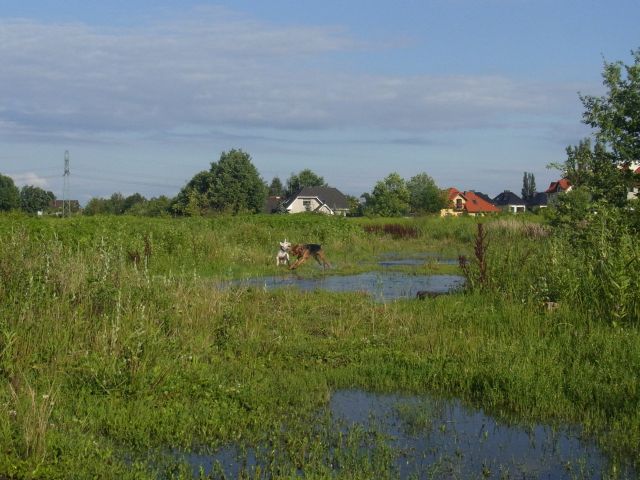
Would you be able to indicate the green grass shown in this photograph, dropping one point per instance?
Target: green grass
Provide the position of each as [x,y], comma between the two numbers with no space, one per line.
[105,360]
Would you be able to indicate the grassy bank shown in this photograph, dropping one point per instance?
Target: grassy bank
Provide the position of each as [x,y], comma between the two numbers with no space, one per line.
[116,341]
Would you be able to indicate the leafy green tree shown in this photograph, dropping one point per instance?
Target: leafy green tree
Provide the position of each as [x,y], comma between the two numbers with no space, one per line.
[616,115]
[154,207]
[34,199]
[236,184]
[304,178]
[231,185]
[424,194]
[9,194]
[596,171]
[95,206]
[131,201]
[528,186]
[276,189]
[390,197]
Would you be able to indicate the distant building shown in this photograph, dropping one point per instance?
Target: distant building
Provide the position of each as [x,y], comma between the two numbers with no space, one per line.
[469,203]
[327,200]
[510,202]
[539,200]
[556,188]
[57,206]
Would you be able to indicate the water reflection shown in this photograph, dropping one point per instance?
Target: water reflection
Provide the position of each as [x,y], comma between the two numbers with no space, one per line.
[434,438]
[382,286]
[392,259]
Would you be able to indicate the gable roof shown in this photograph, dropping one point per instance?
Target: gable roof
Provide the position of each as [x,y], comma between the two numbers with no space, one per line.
[477,204]
[330,196]
[453,193]
[539,199]
[508,198]
[483,196]
[561,185]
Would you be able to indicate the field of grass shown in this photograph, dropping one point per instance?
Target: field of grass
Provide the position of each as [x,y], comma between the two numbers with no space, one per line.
[117,343]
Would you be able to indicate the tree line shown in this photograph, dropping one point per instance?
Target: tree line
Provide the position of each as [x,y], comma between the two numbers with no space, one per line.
[232,185]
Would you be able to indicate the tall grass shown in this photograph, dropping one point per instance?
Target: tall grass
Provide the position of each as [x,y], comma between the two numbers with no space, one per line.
[105,359]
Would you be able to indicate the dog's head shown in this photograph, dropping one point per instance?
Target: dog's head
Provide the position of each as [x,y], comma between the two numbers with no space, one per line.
[285,245]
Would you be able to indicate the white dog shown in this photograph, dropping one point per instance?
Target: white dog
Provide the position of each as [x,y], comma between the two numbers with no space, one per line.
[282,258]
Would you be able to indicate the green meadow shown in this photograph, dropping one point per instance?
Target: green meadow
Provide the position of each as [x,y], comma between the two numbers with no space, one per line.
[118,342]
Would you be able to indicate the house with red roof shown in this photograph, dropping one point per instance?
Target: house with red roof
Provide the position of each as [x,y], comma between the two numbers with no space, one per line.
[469,203]
[556,188]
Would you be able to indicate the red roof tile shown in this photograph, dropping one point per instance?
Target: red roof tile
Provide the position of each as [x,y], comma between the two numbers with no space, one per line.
[476,204]
[561,185]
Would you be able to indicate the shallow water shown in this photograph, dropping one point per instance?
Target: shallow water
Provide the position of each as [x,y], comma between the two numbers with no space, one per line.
[382,286]
[396,259]
[436,438]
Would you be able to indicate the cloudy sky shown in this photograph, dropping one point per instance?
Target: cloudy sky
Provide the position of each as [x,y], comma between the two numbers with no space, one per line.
[144,94]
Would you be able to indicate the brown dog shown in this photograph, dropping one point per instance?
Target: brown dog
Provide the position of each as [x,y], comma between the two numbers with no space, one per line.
[305,250]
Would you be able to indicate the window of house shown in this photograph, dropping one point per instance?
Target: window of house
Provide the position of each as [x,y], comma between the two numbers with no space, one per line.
[307,205]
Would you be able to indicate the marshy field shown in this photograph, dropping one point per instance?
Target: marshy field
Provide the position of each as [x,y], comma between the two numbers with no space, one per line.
[142,348]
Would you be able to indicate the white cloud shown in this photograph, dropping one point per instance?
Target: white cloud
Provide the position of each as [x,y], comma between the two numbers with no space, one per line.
[29,178]
[210,69]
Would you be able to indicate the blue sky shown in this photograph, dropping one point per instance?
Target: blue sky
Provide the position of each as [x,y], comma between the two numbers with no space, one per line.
[145,94]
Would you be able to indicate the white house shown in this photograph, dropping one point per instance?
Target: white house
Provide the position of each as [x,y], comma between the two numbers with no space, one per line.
[510,202]
[327,200]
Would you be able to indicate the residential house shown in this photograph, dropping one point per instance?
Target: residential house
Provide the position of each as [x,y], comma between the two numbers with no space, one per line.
[57,206]
[556,188]
[510,202]
[326,200]
[538,201]
[272,204]
[469,203]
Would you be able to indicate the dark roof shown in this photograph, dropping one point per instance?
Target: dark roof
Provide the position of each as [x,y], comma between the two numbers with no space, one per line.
[328,195]
[539,199]
[508,198]
[271,204]
[483,196]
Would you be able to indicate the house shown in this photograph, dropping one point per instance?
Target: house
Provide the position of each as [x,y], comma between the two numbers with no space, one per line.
[326,200]
[633,191]
[272,204]
[57,206]
[538,201]
[469,203]
[510,202]
[555,188]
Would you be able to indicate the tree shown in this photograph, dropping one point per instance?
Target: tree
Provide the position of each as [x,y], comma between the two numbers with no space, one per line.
[597,172]
[34,199]
[603,171]
[305,178]
[528,186]
[236,186]
[131,201]
[231,185]
[276,189]
[389,198]
[424,194]
[9,194]
[616,115]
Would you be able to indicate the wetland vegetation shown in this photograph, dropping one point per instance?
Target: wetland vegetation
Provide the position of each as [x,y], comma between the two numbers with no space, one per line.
[123,356]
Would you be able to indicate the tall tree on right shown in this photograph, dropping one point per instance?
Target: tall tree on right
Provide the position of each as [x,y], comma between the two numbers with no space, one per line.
[528,186]
[616,115]
[615,118]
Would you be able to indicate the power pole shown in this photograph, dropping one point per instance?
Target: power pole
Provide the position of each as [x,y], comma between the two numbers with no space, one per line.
[66,202]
